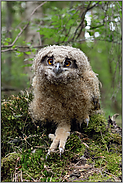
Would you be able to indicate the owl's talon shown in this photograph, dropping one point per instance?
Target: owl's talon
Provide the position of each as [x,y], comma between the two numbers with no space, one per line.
[87,121]
[61,151]
[48,154]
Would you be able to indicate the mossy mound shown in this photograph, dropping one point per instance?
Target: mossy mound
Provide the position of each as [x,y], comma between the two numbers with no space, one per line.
[92,154]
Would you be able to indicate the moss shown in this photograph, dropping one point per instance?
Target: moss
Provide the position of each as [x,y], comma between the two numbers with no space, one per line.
[100,178]
[73,143]
[101,148]
[100,121]
[8,165]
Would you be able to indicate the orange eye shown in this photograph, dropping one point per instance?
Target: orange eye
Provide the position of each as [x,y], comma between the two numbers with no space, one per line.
[67,63]
[50,61]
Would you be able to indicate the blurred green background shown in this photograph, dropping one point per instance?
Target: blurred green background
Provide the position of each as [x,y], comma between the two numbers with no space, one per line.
[92,26]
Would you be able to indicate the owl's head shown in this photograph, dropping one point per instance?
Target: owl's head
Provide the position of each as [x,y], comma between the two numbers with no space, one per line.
[60,64]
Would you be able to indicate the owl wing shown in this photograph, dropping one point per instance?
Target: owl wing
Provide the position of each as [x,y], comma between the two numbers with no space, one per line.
[96,103]
[92,83]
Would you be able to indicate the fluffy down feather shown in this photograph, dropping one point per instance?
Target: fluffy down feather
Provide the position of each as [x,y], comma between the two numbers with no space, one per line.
[65,88]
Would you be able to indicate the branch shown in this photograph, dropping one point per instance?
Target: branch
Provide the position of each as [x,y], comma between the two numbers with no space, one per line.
[8,89]
[24,26]
[96,26]
[89,8]
[80,26]
[63,42]
[22,47]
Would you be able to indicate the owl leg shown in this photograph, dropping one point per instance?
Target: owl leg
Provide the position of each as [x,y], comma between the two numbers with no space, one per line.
[63,138]
[61,134]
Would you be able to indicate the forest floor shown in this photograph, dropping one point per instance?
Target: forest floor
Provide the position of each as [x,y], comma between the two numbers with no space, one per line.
[92,154]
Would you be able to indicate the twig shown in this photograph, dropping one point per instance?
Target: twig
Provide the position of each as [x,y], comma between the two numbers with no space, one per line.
[104,141]
[85,144]
[31,177]
[81,26]
[111,174]
[21,176]
[40,147]
[119,5]
[22,47]
[84,166]
[63,42]
[25,25]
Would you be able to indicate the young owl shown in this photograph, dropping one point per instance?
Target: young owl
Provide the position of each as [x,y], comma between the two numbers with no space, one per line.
[65,88]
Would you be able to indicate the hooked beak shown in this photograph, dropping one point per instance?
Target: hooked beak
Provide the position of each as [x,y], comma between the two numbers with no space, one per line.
[57,70]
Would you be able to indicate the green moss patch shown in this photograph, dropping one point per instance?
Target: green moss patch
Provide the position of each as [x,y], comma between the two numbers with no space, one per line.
[92,154]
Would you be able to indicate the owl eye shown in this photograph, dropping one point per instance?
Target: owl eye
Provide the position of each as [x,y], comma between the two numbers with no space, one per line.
[50,61]
[67,63]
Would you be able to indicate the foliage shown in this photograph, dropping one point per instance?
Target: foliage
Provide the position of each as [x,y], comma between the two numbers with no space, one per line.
[92,26]
[55,29]
[25,145]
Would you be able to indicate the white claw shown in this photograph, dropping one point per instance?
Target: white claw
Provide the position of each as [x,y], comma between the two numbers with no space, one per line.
[48,154]
[87,121]
[61,151]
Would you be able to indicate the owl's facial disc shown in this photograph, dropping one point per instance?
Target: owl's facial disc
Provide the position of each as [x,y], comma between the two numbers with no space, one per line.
[58,68]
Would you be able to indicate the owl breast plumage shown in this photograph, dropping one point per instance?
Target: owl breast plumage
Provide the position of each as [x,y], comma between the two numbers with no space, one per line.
[65,88]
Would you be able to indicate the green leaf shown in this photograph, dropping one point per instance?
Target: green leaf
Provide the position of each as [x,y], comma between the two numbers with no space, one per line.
[28,52]
[27,65]
[19,54]
[91,33]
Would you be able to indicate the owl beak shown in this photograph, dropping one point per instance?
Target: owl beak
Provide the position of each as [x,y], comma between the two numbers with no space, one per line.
[57,70]
[57,67]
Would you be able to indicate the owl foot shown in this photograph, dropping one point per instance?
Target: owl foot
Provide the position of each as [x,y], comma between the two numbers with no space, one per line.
[48,154]
[59,138]
[61,150]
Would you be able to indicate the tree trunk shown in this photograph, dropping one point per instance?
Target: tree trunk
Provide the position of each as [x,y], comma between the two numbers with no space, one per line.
[31,35]
[8,34]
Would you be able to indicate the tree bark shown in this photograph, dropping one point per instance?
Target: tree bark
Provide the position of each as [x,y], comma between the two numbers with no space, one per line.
[8,34]
[31,35]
